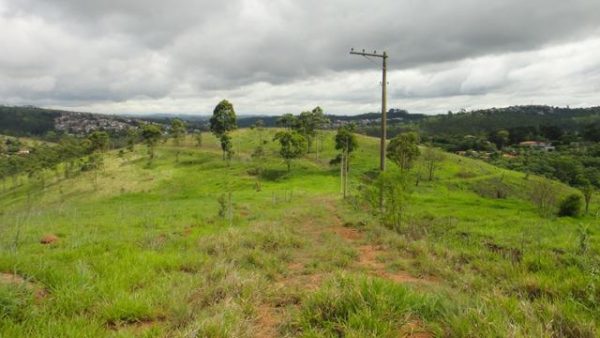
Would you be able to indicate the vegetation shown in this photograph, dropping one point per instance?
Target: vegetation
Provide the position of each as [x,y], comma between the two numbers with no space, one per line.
[192,248]
[221,123]
[403,150]
[293,145]
[570,206]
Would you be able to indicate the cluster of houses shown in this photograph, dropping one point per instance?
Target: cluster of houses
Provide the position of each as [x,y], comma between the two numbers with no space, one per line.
[82,123]
[525,145]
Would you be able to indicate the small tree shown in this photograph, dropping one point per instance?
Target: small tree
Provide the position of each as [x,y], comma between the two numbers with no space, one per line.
[388,196]
[287,121]
[132,138]
[99,141]
[543,195]
[500,138]
[259,126]
[151,134]
[432,158]
[221,123]
[258,157]
[177,131]
[588,191]
[293,145]
[570,206]
[227,147]
[345,141]
[199,138]
[308,123]
[404,149]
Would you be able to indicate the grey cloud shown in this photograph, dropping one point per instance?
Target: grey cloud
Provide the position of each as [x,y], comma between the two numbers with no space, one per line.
[115,51]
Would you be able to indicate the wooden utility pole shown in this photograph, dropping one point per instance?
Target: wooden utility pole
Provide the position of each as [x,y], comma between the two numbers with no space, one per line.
[384,57]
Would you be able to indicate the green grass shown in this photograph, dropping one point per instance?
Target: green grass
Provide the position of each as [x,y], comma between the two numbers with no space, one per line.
[143,252]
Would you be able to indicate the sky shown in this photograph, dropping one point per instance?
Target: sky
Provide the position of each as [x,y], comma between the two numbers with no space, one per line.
[274,57]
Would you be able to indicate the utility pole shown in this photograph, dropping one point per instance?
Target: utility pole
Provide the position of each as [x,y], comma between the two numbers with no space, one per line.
[384,57]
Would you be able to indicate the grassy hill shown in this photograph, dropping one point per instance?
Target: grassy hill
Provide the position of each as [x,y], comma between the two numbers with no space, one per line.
[140,250]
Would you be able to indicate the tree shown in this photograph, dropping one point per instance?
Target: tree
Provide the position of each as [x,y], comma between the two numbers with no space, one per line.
[404,149]
[388,195]
[227,146]
[259,126]
[543,195]
[199,138]
[432,157]
[287,121]
[500,138]
[222,122]
[151,134]
[570,206]
[177,130]
[258,157]
[99,141]
[345,141]
[588,191]
[132,138]
[94,163]
[308,122]
[293,145]
[592,132]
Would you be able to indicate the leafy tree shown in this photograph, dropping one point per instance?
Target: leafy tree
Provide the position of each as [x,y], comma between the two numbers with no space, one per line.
[388,195]
[592,132]
[151,134]
[567,169]
[293,145]
[345,142]
[287,121]
[570,206]
[500,138]
[221,123]
[177,130]
[404,149]
[99,141]
[132,138]
[308,123]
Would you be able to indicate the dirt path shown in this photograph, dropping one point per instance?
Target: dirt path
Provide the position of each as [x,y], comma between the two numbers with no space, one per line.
[370,260]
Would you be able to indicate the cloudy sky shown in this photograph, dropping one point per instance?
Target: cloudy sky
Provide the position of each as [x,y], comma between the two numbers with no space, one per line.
[267,56]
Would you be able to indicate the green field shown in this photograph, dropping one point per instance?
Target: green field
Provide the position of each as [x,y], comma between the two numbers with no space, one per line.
[141,251]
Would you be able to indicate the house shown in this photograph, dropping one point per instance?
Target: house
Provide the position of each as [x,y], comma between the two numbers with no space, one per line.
[537,145]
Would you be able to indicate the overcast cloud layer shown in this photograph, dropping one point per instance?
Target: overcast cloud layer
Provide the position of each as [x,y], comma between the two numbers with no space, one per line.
[267,56]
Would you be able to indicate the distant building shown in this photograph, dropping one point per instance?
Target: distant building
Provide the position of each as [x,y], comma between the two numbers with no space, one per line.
[537,145]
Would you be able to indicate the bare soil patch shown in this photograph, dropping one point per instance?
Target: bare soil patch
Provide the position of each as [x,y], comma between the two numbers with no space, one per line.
[137,326]
[414,329]
[16,280]
[49,239]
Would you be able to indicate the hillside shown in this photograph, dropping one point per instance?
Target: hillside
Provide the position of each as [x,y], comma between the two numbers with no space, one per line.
[34,121]
[141,250]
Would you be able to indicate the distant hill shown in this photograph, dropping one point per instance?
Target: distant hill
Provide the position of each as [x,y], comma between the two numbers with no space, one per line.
[34,121]
[488,120]
[25,121]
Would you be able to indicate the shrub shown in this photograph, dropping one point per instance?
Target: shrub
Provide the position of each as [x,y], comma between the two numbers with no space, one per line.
[570,206]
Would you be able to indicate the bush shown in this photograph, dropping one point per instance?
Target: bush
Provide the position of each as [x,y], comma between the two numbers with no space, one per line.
[570,206]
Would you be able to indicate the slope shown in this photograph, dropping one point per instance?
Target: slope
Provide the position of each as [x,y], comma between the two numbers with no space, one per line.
[140,249]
